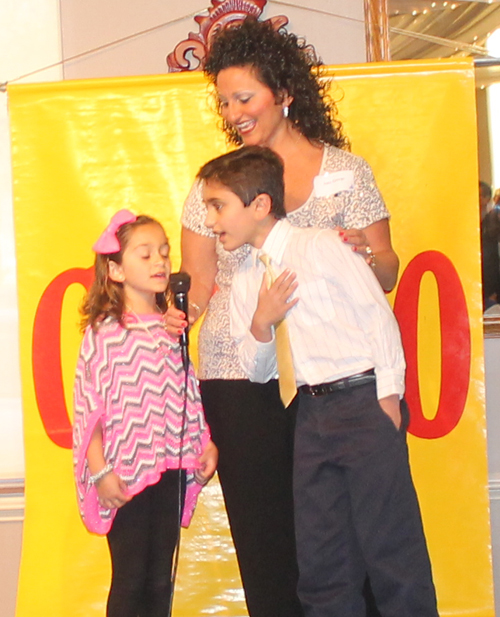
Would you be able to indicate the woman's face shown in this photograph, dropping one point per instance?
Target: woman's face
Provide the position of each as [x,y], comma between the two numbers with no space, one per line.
[250,106]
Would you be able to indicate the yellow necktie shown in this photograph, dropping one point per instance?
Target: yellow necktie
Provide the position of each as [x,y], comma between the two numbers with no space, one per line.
[286,374]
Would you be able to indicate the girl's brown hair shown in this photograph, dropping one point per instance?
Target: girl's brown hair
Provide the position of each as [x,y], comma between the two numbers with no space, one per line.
[106,298]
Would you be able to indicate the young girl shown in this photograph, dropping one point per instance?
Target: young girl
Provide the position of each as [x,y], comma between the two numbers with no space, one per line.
[139,459]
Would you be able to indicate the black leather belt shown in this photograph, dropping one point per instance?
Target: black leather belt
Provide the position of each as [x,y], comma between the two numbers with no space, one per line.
[360,379]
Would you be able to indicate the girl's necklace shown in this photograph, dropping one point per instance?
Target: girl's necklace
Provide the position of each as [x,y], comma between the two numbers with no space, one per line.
[145,327]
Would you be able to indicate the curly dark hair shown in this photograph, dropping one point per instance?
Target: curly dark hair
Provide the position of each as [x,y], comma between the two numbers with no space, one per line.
[106,298]
[282,62]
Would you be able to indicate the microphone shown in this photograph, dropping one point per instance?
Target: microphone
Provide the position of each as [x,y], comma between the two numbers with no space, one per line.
[180,282]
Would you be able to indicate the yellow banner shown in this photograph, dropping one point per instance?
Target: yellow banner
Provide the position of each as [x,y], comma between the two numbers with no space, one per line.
[83,150]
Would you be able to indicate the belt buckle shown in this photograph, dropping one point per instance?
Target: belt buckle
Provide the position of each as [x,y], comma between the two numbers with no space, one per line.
[341,384]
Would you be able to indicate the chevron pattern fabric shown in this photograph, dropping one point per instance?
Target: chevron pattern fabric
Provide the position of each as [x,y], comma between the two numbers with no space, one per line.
[131,380]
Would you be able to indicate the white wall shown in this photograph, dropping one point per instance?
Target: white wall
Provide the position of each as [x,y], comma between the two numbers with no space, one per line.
[493,45]
[30,40]
[334,27]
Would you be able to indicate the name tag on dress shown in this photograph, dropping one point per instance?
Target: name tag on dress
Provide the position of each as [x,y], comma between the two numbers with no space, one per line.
[333,183]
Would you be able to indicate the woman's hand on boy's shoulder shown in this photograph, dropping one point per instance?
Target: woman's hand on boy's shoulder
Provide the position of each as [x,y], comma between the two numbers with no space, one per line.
[208,463]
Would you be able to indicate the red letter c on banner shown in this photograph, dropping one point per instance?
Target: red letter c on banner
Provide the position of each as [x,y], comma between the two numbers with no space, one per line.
[47,369]
[455,343]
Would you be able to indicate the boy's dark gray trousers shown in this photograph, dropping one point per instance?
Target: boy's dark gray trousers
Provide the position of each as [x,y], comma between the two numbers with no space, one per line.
[356,510]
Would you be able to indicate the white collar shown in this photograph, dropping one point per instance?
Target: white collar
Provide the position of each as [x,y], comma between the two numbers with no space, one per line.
[275,243]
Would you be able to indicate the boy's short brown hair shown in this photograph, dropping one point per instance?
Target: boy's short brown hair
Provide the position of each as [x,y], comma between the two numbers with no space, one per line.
[248,172]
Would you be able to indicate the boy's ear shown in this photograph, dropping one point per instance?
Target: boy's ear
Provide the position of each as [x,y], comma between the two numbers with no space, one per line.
[262,205]
[115,272]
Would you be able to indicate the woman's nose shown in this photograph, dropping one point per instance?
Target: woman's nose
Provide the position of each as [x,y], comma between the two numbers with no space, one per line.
[233,112]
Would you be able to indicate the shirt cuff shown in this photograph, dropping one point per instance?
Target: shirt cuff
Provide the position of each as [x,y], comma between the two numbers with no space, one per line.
[259,359]
[390,382]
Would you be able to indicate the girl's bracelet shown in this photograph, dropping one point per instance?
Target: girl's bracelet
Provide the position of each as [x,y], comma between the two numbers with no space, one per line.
[194,306]
[371,255]
[100,474]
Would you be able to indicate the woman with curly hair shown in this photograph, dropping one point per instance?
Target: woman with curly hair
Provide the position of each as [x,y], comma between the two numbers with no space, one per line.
[269,94]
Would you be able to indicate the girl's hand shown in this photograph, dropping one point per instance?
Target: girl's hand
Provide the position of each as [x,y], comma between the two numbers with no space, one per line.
[175,321]
[112,491]
[208,463]
[273,304]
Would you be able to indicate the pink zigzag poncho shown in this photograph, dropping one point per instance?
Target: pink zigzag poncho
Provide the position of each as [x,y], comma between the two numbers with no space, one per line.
[132,381]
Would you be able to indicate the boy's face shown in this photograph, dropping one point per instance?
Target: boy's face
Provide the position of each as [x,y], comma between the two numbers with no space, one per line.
[228,217]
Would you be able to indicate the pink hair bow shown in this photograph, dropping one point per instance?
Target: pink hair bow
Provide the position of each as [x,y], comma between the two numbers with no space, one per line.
[108,242]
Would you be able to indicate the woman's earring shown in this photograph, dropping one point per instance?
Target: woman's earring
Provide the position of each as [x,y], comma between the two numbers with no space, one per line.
[286,111]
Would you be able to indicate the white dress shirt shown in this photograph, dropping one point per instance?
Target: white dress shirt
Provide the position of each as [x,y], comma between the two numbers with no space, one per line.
[342,324]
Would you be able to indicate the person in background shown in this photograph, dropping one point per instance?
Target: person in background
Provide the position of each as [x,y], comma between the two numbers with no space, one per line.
[269,93]
[490,237]
[496,198]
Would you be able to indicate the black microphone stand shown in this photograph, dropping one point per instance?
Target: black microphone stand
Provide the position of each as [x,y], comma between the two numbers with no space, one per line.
[180,282]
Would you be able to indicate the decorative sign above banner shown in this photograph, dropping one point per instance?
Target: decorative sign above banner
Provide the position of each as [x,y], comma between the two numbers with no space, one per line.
[188,55]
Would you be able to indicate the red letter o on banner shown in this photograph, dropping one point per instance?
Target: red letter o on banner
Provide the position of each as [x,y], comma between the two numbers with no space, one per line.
[47,369]
[455,343]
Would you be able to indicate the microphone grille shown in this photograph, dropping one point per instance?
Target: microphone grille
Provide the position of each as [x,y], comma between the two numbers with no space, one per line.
[180,282]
